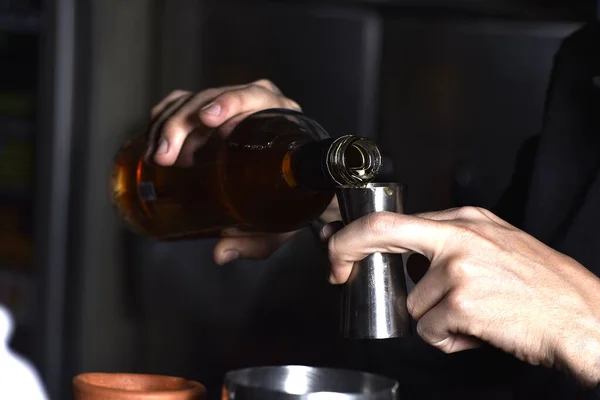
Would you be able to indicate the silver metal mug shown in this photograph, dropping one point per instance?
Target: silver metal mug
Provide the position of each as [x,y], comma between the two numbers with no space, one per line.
[297,382]
[374,297]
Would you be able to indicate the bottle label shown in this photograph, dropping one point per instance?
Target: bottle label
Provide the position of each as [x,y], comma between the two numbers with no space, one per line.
[146,191]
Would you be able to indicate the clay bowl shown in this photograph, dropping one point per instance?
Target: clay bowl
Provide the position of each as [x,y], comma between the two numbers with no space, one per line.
[116,386]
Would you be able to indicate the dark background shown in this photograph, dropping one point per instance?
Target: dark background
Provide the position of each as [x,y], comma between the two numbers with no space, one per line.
[450,89]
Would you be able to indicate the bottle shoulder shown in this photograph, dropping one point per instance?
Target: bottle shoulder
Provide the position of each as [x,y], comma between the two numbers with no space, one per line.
[265,126]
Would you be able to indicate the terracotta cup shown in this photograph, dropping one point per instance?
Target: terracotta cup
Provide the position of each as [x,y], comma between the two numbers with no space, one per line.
[115,386]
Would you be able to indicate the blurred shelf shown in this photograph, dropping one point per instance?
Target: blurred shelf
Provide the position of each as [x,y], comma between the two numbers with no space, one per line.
[16,271]
[15,195]
[16,128]
[538,10]
[18,104]
[17,293]
[16,251]
[21,24]
[17,166]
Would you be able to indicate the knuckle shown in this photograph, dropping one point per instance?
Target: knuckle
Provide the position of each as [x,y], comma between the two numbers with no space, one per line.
[427,331]
[459,303]
[424,331]
[411,304]
[470,211]
[267,84]
[455,270]
[466,231]
[291,104]
[444,345]
[173,127]
[232,99]
[478,213]
[477,235]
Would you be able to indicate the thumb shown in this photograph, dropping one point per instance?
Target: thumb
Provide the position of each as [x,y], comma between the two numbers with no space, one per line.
[250,246]
[330,229]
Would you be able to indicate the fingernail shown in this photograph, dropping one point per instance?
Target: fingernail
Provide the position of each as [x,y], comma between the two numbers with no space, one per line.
[229,256]
[326,233]
[212,109]
[163,147]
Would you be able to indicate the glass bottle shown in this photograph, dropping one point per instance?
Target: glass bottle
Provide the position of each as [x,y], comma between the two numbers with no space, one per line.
[275,172]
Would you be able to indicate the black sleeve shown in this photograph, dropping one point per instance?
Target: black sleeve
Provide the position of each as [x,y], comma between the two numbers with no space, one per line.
[511,206]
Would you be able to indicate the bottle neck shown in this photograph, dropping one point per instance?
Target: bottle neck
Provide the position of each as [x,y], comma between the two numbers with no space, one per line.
[322,165]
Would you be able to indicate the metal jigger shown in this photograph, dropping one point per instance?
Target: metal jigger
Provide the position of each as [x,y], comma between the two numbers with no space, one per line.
[374,297]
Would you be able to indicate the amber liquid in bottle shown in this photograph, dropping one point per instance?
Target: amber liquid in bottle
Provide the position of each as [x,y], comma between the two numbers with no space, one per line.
[276,172]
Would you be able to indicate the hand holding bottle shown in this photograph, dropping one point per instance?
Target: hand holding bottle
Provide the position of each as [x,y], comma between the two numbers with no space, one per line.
[182,113]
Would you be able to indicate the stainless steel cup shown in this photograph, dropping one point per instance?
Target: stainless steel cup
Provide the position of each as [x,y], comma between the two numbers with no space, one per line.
[296,382]
[374,297]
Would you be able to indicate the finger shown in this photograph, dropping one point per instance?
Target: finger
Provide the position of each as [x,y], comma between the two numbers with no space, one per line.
[244,100]
[250,247]
[441,328]
[170,129]
[212,108]
[440,215]
[174,95]
[196,139]
[464,213]
[158,123]
[172,103]
[339,276]
[385,232]
[228,126]
[329,230]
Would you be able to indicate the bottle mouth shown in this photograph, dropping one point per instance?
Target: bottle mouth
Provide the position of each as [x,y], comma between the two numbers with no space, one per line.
[354,160]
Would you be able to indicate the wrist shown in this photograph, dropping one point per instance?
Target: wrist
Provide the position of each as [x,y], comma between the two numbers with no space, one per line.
[579,351]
